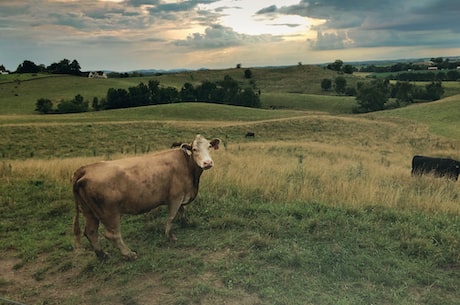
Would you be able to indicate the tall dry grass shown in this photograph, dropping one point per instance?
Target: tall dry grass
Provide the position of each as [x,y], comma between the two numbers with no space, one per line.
[284,172]
[288,171]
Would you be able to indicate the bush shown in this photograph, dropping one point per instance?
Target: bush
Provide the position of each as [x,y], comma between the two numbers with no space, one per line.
[73,106]
[44,106]
[326,84]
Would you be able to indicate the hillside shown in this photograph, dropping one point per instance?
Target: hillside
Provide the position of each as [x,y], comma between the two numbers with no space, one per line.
[440,116]
[19,93]
[318,208]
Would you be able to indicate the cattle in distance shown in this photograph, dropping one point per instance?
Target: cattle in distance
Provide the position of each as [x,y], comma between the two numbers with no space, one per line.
[250,134]
[105,190]
[176,144]
[439,167]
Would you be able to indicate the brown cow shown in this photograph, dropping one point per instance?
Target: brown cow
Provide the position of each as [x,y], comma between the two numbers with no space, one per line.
[105,190]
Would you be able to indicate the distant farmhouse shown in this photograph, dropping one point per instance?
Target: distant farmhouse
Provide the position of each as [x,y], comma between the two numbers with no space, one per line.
[3,70]
[97,74]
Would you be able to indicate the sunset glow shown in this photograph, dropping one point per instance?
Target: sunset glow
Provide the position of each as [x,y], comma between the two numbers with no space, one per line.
[125,35]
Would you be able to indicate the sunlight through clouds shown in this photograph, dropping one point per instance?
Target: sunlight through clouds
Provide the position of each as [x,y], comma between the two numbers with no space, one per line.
[131,34]
[242,17]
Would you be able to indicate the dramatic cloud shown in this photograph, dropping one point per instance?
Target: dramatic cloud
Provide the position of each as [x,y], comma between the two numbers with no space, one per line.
[133,34]
[218,36]
[374,23]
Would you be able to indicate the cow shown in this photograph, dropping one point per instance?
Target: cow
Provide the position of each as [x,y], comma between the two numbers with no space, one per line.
[439,167]
[175,144]
[105,190]
[250,134]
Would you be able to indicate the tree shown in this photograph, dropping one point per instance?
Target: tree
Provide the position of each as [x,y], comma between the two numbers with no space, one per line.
[44,105]
[169,95]
[96,104]
[65,67]
[348,69]
[434,91]
[372,96]
[154,87]
[326,84]
[116,98]
[230,87]
[453,75]
[403,92]
[75,67]
[139,95]
[340,84]
[248,98]
[336,65]
[28,67]
[205,90]
[188,93]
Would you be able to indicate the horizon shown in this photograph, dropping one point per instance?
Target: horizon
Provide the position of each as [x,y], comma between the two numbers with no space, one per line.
[172,70]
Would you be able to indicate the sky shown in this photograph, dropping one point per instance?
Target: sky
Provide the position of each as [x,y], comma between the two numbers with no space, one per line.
[127,35]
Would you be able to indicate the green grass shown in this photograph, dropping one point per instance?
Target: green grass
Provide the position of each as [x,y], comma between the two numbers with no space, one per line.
[441,116]
[170,112]
[272,253]
[311,102]
[19,93]
[244,244]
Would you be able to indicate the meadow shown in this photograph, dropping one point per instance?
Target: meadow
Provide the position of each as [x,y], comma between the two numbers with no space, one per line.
[318,208]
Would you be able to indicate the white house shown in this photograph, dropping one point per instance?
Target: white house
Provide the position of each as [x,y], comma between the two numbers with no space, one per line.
[97,74]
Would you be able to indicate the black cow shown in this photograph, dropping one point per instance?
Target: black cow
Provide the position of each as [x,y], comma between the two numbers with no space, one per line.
[439,167]
[176,144]
[250,134]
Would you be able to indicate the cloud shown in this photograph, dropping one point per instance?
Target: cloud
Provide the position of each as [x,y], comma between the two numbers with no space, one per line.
[374,23]
[267,10]
[218,36]
[276,30]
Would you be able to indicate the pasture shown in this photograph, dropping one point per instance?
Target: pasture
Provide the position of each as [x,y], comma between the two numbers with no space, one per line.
[317,208]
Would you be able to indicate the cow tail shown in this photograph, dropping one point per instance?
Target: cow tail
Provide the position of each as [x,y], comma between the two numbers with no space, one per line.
[76,219]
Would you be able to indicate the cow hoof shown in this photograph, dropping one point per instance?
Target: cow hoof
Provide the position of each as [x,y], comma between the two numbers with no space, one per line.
[102,255]
[132,256]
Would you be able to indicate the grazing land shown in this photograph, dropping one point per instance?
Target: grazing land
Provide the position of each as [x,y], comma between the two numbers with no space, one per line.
[318,208]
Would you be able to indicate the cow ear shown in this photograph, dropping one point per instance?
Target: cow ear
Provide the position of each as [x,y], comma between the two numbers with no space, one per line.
[187,148]
[215,143]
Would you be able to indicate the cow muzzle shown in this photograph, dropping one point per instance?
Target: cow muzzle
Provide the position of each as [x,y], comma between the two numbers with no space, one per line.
[207,164]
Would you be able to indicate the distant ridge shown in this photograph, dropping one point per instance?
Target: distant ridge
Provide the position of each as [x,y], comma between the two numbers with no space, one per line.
[392,61]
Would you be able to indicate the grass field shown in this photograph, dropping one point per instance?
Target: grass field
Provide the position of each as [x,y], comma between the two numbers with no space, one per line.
[318,208]
[296,87]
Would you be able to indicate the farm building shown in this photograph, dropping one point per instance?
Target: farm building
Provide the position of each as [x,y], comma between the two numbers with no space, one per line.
[97,74]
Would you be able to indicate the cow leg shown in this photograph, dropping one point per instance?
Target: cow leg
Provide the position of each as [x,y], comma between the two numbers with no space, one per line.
[172,211]
[92,234]
[183,216]
[113,233]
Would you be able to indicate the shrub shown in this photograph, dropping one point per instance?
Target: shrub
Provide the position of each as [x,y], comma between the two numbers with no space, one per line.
[44,105]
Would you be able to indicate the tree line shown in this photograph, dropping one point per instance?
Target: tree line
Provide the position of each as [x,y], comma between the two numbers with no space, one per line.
[376,94]
[228,91]
[439,62]
[64,66]
[451,75]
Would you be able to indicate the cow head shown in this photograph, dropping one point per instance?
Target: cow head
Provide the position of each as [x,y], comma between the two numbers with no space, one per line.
[199,150]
